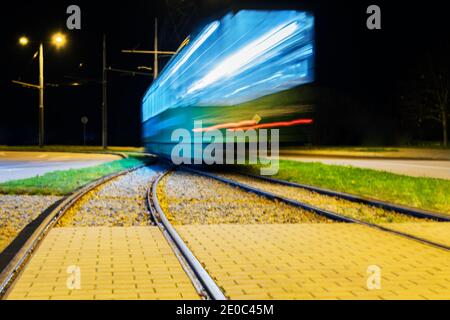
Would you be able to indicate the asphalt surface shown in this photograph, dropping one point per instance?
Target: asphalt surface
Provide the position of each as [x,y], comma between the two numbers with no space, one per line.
[417,168]
[22,165]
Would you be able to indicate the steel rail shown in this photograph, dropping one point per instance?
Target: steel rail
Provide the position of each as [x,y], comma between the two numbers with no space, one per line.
[196,269]
[326,213]
[414,212]
[17,263]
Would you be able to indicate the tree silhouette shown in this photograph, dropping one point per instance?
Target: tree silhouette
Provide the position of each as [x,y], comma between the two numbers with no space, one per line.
[426,97]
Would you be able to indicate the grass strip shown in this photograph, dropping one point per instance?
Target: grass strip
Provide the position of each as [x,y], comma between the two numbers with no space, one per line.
[60,183]
[423,193]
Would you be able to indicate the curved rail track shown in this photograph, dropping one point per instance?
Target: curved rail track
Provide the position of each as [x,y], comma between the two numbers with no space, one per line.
[414,212]
[21,257]
[204,284]
[201,280]
[333,215]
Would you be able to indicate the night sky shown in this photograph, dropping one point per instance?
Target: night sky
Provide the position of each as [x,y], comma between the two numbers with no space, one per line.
[363,68]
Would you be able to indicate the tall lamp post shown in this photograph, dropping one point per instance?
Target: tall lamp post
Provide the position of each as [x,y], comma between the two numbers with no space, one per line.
[58,40]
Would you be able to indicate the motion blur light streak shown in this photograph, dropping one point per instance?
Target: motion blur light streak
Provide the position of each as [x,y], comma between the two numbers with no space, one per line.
[197,43]
[245,123]
[235,63]
[239,59]
[275,124]
[247,64]
[253,124]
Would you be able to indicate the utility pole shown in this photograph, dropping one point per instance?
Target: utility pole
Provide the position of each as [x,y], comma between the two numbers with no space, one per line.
[41,95]
[105,97]
[156,52]
[156,67]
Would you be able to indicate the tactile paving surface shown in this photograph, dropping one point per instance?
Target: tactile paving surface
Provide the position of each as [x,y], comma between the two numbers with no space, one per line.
[111,263]
[318,261]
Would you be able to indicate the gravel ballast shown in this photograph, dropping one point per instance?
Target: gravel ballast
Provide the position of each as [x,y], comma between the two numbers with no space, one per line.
[191,199]
[18,211]
[118,203]
[348,208]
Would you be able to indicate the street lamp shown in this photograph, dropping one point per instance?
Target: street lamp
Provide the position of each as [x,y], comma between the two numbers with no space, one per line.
[24,41]
[58,40]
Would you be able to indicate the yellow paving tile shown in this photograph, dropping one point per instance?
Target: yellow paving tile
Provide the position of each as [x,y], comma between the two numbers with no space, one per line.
[113,264]
[318,261]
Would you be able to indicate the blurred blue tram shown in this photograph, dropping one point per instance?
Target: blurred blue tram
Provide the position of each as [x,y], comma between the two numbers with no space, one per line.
[243,71]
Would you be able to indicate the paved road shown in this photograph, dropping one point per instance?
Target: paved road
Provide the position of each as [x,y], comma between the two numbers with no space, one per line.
[416,168]
[22,165]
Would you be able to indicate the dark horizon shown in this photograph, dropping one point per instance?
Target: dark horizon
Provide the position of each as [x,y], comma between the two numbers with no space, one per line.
[363,71]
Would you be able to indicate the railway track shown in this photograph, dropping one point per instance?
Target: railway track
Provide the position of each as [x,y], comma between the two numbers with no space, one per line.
[371,202]
[199,278]
[204,284]
[328,213]
[22,256]
[190,260]
[260,247]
